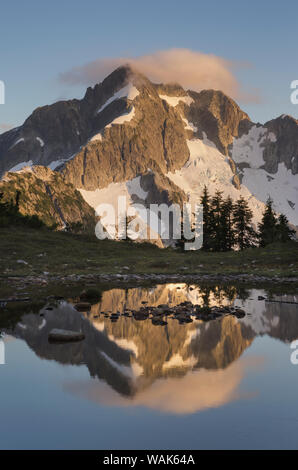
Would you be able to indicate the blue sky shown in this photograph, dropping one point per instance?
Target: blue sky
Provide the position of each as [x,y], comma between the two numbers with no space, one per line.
[40,40]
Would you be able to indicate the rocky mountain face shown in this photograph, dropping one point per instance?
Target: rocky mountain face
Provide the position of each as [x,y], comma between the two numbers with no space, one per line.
[285,149]
[154,139]
[171,140]
[46,194]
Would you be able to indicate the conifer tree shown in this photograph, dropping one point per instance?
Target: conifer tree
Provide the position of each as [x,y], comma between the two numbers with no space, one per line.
[283,231]
[205,201]
[228,232]
[268,226]
[181,241]
[245,235]
[216,229]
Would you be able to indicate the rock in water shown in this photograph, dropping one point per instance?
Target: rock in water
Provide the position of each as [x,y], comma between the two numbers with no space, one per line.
[61,336]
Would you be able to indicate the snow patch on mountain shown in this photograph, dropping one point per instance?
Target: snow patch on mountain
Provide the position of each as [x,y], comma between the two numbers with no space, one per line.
[56,163]
[282,187]
[129,91]
[123,343]
[130,190]
[96,137]
[108,195]
[134,188]
[17,142]
[189,125]
[250,147]
[175,100]
[99,326]
[176,361]
[113,191]
[131,372]
[208,142]
[192,335]
[207,166]
[21,166]
[41,142]
[127,117]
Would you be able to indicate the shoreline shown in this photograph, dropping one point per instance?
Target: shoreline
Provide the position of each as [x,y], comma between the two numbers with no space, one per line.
[151,277]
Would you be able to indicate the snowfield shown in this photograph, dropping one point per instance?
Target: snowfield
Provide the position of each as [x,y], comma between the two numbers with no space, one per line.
[175,100]
[21,166]
[96,137]
[281,186]
[189,125]
[126,117]
[110,195]
[56,163]
[249,148]
[129,91]
[207,166]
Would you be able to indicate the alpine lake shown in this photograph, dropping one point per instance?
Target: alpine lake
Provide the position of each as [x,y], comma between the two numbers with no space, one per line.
[165,366]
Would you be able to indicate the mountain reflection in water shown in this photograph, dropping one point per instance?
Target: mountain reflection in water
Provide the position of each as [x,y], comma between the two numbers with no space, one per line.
[174,368]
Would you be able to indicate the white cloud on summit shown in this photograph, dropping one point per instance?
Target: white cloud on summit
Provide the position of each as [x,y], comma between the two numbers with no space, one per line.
[191,69]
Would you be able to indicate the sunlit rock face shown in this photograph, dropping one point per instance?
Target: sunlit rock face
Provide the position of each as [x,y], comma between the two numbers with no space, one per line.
[45,193]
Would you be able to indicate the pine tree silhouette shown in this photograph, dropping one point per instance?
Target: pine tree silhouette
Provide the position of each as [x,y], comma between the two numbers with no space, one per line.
[228,232]
[205,201]
[245,235]
[216,221]
[283,231]
[268,226]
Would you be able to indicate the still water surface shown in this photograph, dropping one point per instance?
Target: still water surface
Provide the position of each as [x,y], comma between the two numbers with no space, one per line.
[224,384]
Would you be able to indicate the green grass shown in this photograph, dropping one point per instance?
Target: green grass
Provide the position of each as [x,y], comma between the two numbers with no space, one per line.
[64,253]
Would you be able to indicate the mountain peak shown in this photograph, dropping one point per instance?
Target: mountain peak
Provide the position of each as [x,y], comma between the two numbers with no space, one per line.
[126,125]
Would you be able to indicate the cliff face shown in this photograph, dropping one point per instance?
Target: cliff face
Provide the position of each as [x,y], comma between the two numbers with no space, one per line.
[45,193]
[154,139]
[218,116]
[285,149]
[53,134]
